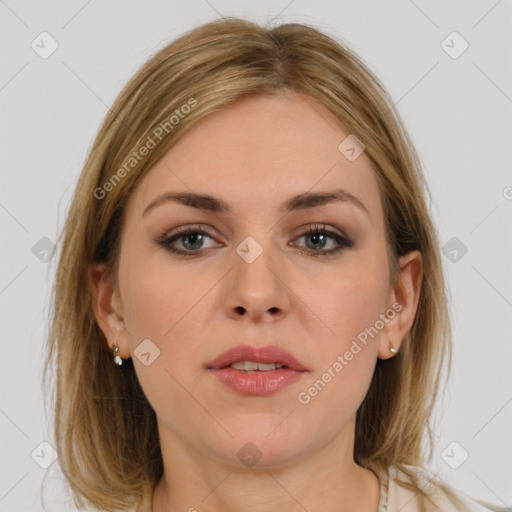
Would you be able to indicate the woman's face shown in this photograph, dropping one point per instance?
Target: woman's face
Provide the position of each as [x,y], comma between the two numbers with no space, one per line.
[250,273]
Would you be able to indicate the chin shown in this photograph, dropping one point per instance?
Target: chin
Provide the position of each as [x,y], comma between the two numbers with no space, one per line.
[254,448]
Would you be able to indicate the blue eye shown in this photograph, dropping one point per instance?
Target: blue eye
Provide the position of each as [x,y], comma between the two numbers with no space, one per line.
[192,241]
[320,237]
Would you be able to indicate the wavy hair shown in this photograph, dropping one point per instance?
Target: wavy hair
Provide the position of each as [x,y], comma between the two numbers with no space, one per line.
[105,429]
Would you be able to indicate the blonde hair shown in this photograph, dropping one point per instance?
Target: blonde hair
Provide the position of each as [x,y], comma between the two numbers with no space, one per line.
[105,429]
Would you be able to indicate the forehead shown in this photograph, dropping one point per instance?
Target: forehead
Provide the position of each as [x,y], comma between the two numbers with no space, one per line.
[260,151]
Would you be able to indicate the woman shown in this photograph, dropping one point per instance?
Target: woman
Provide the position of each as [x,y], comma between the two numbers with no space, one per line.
[250,309]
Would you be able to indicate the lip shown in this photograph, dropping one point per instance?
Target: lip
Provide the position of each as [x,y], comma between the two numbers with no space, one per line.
[257,383]
[268,354]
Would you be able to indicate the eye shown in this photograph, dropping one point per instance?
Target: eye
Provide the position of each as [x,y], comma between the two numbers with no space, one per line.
[192,241]
[318,238]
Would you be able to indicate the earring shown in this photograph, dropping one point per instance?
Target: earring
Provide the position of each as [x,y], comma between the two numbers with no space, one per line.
[117,358]
[392,348]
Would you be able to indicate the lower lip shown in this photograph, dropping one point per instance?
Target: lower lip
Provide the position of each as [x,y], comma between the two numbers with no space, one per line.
[258,383]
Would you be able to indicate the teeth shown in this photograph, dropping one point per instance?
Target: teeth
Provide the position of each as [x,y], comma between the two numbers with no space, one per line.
[252,366]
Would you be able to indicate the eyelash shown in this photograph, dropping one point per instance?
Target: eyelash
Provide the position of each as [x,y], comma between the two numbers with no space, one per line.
[166,240]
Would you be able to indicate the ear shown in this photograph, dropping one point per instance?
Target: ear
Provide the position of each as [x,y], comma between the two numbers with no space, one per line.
[107,308]
[403,300]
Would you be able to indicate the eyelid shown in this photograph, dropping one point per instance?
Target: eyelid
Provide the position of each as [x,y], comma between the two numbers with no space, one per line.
[319,226]
[183,230]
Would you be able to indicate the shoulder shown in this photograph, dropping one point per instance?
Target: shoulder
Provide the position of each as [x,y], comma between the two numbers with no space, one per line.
[445,498]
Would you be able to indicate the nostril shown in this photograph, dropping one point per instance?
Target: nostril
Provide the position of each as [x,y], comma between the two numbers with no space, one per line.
[240,310]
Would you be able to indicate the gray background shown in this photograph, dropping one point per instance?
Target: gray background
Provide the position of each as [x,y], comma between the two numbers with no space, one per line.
[459,113]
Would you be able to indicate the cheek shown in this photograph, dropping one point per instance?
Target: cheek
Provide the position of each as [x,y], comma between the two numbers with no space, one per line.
[347,301]
[158,296]
[162,305]
[333,394]
[345,365]
[171,307]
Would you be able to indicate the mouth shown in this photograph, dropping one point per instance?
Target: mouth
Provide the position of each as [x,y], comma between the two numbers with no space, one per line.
[256,372]
[248,359]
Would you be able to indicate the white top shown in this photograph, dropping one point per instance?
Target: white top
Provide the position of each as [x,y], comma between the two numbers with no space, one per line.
[396,498]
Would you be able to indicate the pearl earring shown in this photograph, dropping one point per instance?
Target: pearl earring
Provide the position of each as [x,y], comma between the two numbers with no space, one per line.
[392,348]
[117,358]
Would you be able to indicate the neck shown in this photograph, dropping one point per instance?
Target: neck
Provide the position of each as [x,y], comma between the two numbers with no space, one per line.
[328,480]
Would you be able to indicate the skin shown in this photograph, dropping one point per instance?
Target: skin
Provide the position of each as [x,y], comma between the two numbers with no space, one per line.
[255,155]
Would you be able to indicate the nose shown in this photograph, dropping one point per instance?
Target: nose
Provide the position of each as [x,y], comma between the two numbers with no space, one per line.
[257,289]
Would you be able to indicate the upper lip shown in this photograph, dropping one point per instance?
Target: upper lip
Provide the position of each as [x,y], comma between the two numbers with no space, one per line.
[267,354]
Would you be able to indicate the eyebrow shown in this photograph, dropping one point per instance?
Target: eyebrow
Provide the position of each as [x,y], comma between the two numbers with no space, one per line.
[213,204]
